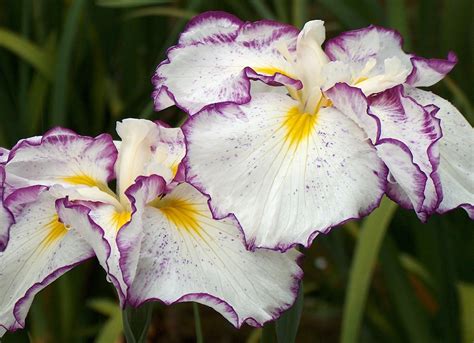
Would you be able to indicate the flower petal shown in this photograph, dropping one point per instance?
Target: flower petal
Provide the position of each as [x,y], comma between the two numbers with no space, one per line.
[405,135]
[6,217]
[188,256]
[285,175]
[147,148]
[456,168]
[40,250]
[216,56]
[62,157]
[426,72]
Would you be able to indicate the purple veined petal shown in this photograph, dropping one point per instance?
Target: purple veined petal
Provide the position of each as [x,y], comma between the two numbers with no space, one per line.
[6,216]
[186,255]
[456,167]
[216,57]
[62,157]
[40,250]
[428,71]
[4,154]
[285,175]
[84,217]
[147,148]
[406,137]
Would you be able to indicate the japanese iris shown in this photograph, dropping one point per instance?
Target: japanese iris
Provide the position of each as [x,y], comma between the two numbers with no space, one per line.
[293,139]
[155,236]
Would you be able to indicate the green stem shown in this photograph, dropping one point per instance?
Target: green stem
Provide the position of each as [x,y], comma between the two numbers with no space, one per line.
[197,324]
[136,322]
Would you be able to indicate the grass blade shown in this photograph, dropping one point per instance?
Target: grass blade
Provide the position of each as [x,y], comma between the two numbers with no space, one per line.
[129,3]
[136,322]
[262,9]
[365,256]
[28,51]
[466,297]
[398,19]
[268,333]
[412,316]
[287,326]
[160,11]
[63,61]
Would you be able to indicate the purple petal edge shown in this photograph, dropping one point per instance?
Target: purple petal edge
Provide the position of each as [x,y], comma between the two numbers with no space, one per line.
[441,66]
[297,277]
[247,73]
[250,245]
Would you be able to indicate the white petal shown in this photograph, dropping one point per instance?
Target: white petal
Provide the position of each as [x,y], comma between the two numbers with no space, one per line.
[147,148]
[284,175]
[217,56]
[6,217]
[40,250]
[405,135]
[62,157]
[426,72]
[456,169]
[188,256]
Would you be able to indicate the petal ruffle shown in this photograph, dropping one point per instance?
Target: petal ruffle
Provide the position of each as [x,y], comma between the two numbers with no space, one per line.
[40,250]
[405,135]
[186,255]
[286,176]
[426,72]
[62,157]
[147,148]
[456,168]
[216,56]
[6,217]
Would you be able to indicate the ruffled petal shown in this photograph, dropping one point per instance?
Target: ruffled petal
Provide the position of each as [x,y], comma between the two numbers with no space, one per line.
[147,148]
[62,157]
[374,55]
[215,59]
[186,255]
[405,135]
[426,72]
[6,217]
[285,175]
[456,168]
[102,239]
[40,249]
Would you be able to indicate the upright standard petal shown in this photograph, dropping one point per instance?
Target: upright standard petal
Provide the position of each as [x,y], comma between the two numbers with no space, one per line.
[62,157]
[426,72]
[186,255]
[405,135]
[456,168]
[147,148]
[216,56]
[40,249]
[285,175]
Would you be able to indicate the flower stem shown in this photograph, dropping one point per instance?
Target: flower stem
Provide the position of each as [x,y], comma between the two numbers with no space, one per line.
[197,324]
[136,322]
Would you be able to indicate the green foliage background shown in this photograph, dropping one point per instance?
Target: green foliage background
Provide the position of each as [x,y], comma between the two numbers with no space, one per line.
[85,65]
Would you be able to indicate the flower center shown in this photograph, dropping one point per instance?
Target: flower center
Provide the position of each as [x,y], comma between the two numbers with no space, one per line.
[56,230]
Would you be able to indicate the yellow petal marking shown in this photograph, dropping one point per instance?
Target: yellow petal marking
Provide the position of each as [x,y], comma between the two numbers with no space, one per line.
[56,231]
[360,79]
[86,180]
[181,212]
[298,126]
[271,71]
[119,219]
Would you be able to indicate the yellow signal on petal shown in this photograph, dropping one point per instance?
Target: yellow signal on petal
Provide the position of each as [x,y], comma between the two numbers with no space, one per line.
[56,230]
[271,71]
[121,218]
[298,126]
[181,212]
[86,180]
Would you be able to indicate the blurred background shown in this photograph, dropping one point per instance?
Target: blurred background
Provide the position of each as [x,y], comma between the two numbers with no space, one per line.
[85,64]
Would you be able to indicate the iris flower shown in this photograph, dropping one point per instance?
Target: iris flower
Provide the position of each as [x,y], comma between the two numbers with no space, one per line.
[276,138]
[155,236]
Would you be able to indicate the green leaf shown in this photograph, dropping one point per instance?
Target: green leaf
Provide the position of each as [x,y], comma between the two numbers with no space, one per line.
[365,256]
[129,3]
[397,18]
[262,9]
[344,12]
[104,306]
[28,51]
[268,333]
[197,324]
[111,331]
[287,325]
[466,299]
[136,322]
[160,11]
[63,61]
